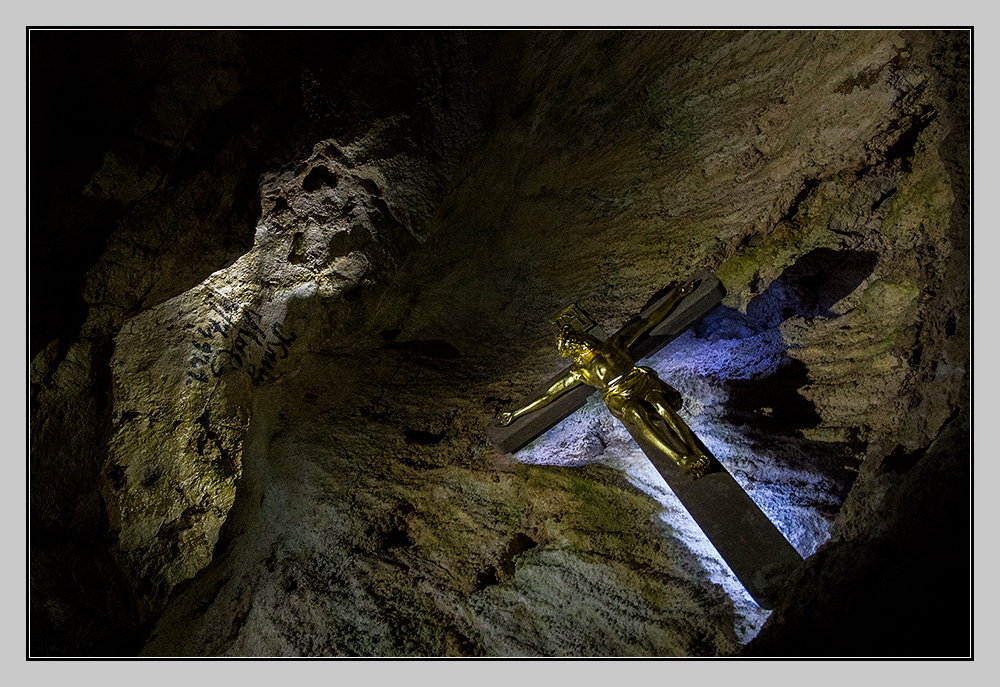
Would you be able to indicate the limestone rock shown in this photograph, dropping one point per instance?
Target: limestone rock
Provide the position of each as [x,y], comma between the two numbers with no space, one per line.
[316,270]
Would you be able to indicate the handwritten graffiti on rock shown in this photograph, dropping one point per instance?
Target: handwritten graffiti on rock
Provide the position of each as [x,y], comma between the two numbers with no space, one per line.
[236,337]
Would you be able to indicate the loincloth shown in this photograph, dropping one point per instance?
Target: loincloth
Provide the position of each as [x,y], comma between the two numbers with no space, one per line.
[637,385]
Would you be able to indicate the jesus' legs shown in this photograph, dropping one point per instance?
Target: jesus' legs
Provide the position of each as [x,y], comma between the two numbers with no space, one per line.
[665,410]
[663,439]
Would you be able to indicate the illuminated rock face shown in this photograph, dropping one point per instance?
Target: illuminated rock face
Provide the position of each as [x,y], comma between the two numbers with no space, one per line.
[277,447]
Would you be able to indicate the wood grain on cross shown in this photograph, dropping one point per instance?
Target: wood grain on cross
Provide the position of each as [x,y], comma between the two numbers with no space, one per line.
[746,539]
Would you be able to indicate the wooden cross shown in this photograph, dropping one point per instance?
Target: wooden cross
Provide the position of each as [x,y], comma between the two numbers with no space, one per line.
[746,539]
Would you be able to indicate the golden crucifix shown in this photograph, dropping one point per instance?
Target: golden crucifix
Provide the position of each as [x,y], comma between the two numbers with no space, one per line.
[634,395]
[749,542]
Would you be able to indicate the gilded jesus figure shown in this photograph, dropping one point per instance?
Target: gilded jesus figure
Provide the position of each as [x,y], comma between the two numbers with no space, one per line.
[634,395]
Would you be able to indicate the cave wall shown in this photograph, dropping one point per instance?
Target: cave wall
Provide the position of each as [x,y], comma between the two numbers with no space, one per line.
[279,294]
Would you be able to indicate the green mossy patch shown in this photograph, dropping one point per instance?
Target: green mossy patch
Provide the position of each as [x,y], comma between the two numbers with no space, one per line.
[922,202]
[603,519]
[780,249]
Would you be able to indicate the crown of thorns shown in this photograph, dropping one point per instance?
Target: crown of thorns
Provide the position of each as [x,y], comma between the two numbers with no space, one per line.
[571,339]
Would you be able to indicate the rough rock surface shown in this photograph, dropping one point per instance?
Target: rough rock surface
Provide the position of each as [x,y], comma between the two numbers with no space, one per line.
[275,445]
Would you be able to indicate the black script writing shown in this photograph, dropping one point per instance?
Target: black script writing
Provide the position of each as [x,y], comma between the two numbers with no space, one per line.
[236,337]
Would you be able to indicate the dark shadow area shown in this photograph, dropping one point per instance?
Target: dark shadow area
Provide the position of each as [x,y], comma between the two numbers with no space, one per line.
[71,566]
[768,401]
[808,288]
[416,436]
[519,544]
[73,120]
[902,592]
[507,563]
[427,348]
[811,286]
[772,404]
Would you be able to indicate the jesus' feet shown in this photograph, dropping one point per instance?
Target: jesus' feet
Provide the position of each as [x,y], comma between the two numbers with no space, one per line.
[695,466]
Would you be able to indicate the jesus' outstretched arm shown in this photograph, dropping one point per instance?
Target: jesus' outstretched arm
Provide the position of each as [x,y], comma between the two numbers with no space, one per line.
[563,384]
[628,335]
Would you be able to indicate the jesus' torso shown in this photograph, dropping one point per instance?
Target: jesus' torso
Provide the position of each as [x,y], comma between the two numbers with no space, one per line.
[604,364]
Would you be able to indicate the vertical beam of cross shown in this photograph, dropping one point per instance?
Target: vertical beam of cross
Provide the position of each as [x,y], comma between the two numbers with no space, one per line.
[758,554]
